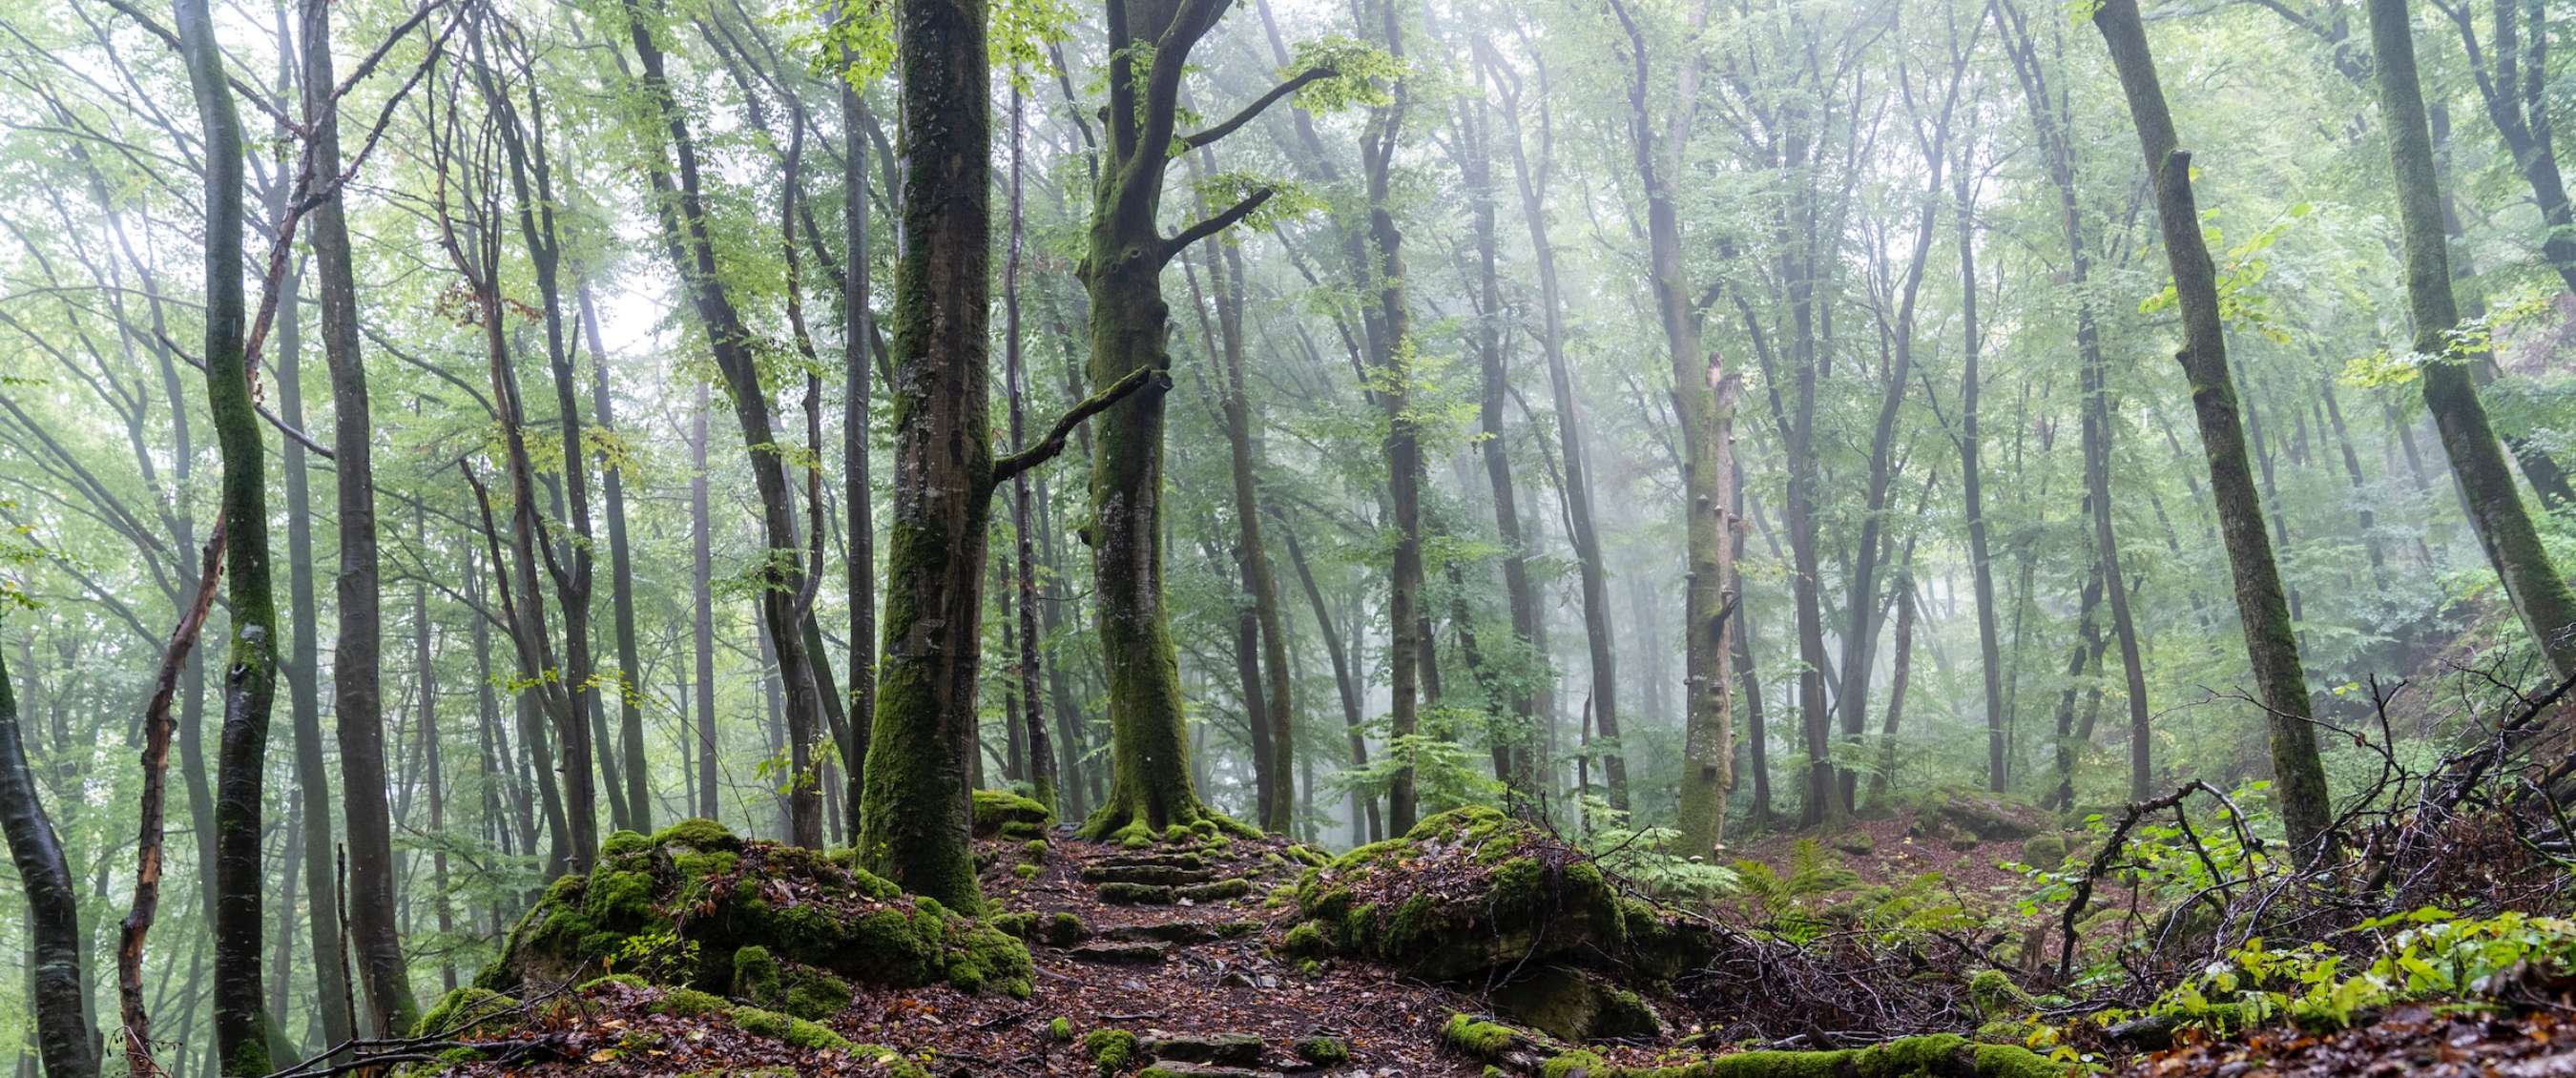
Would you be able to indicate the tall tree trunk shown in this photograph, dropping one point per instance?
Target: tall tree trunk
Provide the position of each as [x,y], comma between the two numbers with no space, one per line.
[2281,683]
[1884,776]
[785,597]
[1703,399]
[621,581]
[1150,43]
[702,603]
[303,669]
[1527,699]
[1981,570]
[250,681]
[858,495]
[357,699]
[1531,178]
[65,1036]
[1042,762]
[2487,491]
[1344,679]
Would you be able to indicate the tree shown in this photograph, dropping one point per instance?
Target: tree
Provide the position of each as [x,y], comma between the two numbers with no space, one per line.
[357,657]
[1703,400]
[250,678]
[1149,47]
[2487,492]
[63,1033]
[2299,780]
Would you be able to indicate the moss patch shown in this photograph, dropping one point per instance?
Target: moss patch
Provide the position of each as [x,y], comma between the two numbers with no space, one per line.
[1938,1056]
[683,907]
[1000,813]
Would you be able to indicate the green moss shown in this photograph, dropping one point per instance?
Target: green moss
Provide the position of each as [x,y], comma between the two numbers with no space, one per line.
[1572,1062]
[621,843]
[1478,1039]
[1064,929]
[698,834]
[817,995]
[1020,923]
[1110,1050]
[461,1011]
[2044,850]
[996,811]
[755,975]
[810,1036]
[1061,1029]
[980,957]
[1937,1056]
[1995,995]
[623,980]
[1026,872]
[1303,941]
[689,1003]
[1323,1051]
[1034,849]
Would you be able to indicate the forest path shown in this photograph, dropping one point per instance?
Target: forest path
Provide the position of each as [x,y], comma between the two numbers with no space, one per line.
[1176,948]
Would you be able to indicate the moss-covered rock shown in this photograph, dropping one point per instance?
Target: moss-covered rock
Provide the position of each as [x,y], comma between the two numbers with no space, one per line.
[1984,814]
[463,1011]
[1322,1051]
[680,907]
[2046,849]
[1574,1005]
[1466,891]
[1003,814]
[1110,1050]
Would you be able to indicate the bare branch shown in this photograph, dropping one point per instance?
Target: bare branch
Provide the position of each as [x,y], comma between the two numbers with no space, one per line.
[1213,225]
[1047,447]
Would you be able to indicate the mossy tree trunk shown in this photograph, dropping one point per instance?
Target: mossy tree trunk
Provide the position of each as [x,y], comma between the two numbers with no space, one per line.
[65,1039]
[2494,505]
[917,813]
[1703,398]
[250,679]
[1150,42]
[2280,680]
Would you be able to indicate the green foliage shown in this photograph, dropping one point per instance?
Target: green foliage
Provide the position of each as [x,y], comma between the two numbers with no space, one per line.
[1110,1050]
[2427,953]
[1360,73]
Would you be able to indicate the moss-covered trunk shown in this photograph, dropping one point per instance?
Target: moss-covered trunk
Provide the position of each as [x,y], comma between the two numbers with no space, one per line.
[2280,680]
[916,813]
[2487,491]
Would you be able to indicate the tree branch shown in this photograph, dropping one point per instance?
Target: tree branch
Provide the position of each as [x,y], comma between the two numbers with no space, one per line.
[1213,225]
[1047,447]
[1260,104]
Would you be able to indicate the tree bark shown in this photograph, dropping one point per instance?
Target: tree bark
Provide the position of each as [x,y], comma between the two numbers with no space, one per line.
[858,494]
[250,680]
[702,603]
[65,1037]
[2494,505]
[784,587]
[2281,683]
[1042,762]
[357,700]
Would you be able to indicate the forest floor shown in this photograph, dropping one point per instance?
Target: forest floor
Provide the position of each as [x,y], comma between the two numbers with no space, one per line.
[1205,986]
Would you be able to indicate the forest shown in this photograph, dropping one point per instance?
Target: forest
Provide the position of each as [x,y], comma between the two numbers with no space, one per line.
[1237,538]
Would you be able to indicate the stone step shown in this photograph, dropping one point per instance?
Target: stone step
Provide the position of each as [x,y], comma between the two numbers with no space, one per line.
[1155,875]
[1133,953]
[1165,858]
[1202,1070]
[1149,894]
[1183,932]
[1223,1049]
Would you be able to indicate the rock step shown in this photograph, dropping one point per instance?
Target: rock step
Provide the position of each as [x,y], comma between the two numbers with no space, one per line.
[1149,894]
[1155,875]
[1223,1049]
[1181,931]
[1165,858]
[1136,953]
[1202,1070]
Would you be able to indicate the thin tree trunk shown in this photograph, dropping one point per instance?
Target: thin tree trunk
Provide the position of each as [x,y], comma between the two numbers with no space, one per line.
[621,581]
[2281,683]
[702,602]
[1042,763]
[250,683]
[858,495]
[357,700]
